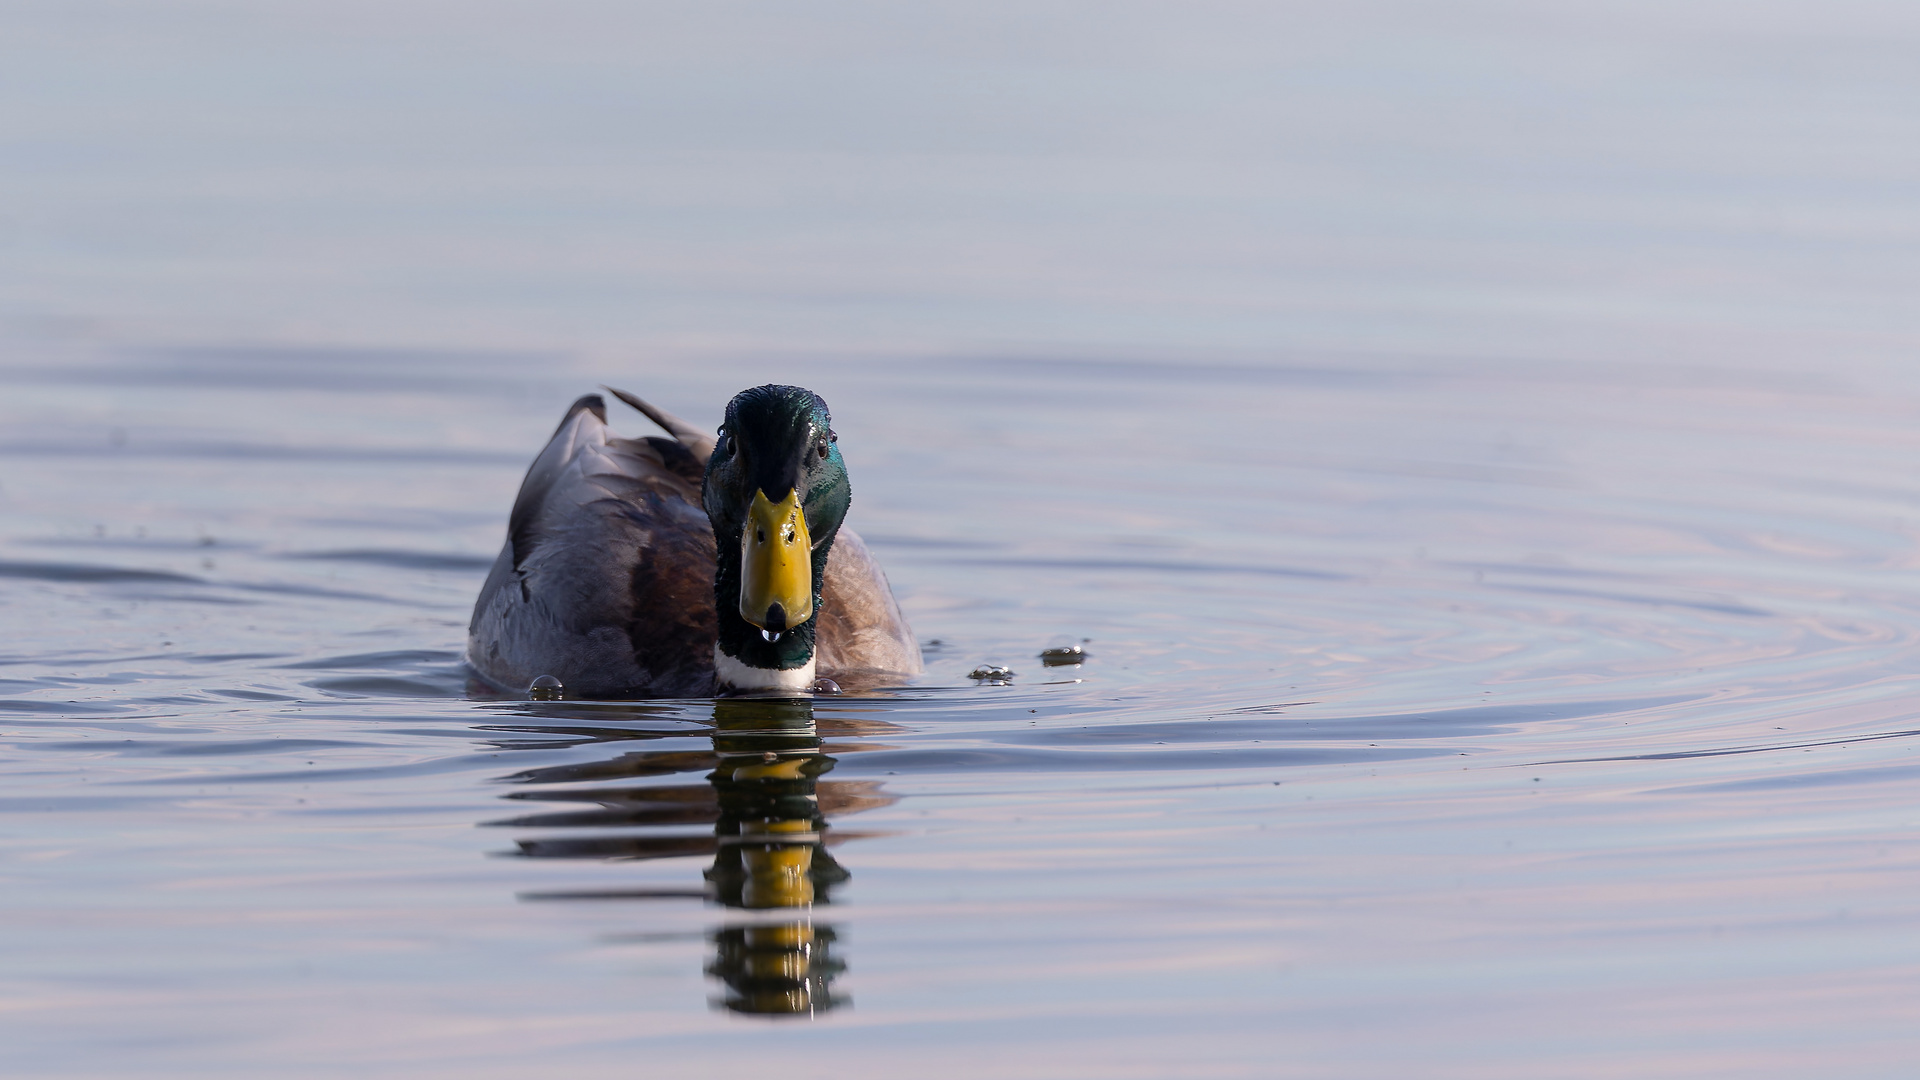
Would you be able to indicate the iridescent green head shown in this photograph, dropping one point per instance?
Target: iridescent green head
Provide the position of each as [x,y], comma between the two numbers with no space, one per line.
[776,491]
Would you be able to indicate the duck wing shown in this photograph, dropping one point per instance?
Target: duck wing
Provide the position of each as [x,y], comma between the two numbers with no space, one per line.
[606,578]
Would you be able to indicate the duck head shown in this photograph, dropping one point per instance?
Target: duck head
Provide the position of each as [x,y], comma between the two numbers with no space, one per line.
[776,491]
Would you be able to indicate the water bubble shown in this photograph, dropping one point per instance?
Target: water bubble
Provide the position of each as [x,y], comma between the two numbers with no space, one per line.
[545,688]
[991,672]
[771,635]
[1062,655]
[823,685]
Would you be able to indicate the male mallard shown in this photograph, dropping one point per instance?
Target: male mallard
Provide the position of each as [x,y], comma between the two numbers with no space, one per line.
[688,566]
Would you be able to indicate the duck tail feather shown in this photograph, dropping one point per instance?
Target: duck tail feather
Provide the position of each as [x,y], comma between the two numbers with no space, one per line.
[689,436]
[593,403]
[668,422]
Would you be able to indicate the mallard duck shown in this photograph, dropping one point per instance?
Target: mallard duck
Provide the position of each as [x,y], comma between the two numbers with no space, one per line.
[688,566]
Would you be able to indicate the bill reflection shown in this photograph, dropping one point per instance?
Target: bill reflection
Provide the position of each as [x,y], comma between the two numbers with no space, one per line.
[769,812]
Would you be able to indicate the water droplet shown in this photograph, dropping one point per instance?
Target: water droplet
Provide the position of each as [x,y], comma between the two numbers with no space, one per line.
[545,688]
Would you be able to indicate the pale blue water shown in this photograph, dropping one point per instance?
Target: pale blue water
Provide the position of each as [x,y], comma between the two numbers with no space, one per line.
[1476,448]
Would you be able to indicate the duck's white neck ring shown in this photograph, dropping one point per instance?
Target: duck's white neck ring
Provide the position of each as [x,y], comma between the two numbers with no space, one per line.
[736,675]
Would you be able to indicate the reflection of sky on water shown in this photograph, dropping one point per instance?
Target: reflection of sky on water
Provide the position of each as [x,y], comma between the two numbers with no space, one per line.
[1722,182]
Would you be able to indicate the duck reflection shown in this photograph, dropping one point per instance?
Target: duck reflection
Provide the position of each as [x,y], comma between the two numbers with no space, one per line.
[770,857]
[769,811]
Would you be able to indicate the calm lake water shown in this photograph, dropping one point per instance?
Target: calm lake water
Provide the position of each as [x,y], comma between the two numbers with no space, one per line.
[1477,457]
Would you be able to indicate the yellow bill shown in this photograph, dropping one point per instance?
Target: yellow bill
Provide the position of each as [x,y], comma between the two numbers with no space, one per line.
[777,877]
[776,564]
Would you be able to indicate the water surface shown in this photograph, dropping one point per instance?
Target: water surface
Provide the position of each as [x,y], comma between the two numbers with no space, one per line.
[1471,719]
